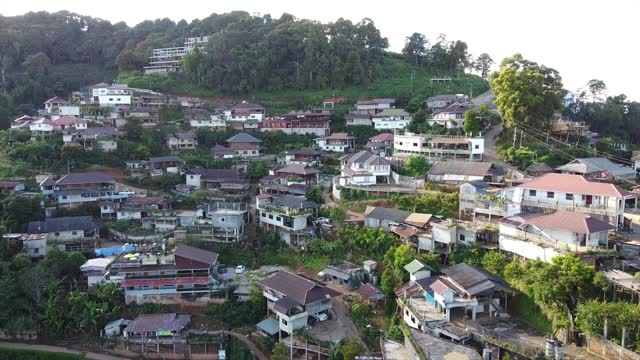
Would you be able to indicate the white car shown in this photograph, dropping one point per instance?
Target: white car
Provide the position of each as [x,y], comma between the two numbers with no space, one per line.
[321,317]
[127,192]
[240,269]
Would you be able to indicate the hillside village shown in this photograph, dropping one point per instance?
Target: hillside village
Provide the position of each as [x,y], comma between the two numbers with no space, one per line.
[151,224]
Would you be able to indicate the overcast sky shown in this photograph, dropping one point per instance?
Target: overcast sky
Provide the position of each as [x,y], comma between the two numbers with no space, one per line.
[583,40]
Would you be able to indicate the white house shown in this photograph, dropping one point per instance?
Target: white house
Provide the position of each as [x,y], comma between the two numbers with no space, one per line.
[439,146]
[288,215]
[540,236]
[450,117]
[216,120]
[569,192]
[364,168]
[391,119]
[373,106]
[111,95]
[338,142]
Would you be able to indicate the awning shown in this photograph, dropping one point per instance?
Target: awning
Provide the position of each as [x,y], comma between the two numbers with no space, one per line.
[269,326]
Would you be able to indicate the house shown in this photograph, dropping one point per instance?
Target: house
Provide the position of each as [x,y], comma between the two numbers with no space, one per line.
[375,217]
[569,192]
[155,274]
[478,198]
[635,158]
[78,188]
[345,274]
[442,101]
[339,142]
[289,215]
[147,328]
[222,222]
[450,117]
[116,327]
[200,118]
[538,169]
[220,152]
[381,144]
[46,127]
[164,165]
[298,173]
[147,116]
[298,123]
[93,138]
[391,119]
[244,145]
[364,169]
[182,141]
[458,172]
[306,156]
[543,236]
[294,299]
[373,106]
[370,293]
[23,122]
[439,146]
[597,168]
[358,119]
[51,106]
[11,186]
[565,128]
[243,111]
[461,290]
[111,95]
[75,233]
[223,180]
[138,208]
[418,270]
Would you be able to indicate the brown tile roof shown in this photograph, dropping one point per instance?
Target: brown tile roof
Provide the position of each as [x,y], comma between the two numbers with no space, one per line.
[297,288]
[339,136]
[382,137]
[570,221]
[574,184]
[367,291]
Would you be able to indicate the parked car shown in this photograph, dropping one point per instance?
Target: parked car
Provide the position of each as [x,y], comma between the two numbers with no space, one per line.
[222,269]
[320,317]
[240,269]
[323,221]
[127,192]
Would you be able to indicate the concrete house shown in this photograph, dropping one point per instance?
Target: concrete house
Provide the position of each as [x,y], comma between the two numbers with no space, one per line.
[418,270]
[451,117]
[289,215]
[149,328]
[338,142]
[78,188]
[442,101]
[138,208]
[222,180]
[148,116]
[244,145]
[76,233]
[363,169]
[544,236]
[358,120]
[570,192]
[345,274]
[299,173]
[381,144]
[478,198]
[182,141]
[597,168]
[373,106]
[98,138]
[391,119]
[294,299]
[298,122]
[307,156]
[376,217]
[52,105]
[439,146]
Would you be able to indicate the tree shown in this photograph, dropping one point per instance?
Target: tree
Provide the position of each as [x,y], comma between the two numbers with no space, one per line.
[601,282]
[388,281]
[415,166]
[596,88]
[482,64]
[338,214]
[526,93]
[415,48]
[350,349]
[471,123]
[314,194]
[280,352]
[495,262]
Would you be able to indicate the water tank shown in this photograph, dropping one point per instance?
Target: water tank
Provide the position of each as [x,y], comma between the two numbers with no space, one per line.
[374,279]
[559,350]
[487,354]
[549,348]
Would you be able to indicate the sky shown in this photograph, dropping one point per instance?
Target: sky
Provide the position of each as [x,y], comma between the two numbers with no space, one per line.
[583,40]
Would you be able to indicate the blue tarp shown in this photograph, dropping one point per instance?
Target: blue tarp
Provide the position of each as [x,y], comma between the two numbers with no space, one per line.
[116,250]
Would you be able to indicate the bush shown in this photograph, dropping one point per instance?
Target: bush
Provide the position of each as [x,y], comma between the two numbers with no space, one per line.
[19,354]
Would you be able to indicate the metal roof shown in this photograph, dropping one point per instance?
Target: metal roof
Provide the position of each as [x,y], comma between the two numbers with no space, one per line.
[83,223]
[242,138]
[466,168]
[158,322]
[382,213]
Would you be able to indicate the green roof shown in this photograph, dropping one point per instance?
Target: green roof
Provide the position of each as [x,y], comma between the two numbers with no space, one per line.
[416,265]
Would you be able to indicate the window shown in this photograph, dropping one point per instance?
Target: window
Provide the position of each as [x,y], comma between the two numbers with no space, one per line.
[36,250]
[462,237]
[569,196]
[57,234]
[74,233]
[406,312]
[64,197]
[264,215]
[221,219]
[550,195]
[284,322]
[415,144]
[477,147]
[278,218]
[270,216]
[532,193]
[400,143]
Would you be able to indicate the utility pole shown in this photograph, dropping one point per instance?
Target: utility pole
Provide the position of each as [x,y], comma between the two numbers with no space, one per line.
[515,136]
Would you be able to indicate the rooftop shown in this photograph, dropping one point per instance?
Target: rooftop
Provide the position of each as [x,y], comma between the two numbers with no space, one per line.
[242,138]
[298,169]
[474,280]
[596,164]
[85,178]
[465,168]
[338,136]
[382,137]
[382,213]
[297,288]
[158,322]
[391,112]
[376,101]
[574,184]
[364,157]
[83,223]
[561,220]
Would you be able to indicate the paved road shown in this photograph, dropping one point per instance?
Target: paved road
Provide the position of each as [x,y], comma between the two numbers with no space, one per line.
[58,349]
[490,151]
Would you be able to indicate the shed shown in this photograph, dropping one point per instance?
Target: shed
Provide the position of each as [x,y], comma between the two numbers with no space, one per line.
[115,327]
[538,169]
[269,326]
[370,293]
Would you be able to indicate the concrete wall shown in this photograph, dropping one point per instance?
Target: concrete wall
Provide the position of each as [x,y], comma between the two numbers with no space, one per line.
[527,249]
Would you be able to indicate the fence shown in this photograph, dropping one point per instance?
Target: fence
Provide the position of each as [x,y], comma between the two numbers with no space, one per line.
[408,181]
[608,350]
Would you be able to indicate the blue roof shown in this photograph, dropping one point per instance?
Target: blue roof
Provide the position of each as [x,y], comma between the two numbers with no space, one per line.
[269,325]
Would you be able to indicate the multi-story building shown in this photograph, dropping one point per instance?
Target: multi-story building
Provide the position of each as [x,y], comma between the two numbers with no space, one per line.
[202,118]
[76,233]
[439,146]
[570,192]
[111,95]
[479,199]
[78,188]
[306,156]
[244,145]
[381,144]
[166,60]
[138,208]
[450,117]
[358,120]
[244,111]
[298,123]
[294,299]
[459,172]
[224,222]
[148,116]
[223,180]
[51,106]
[391,119]
[373,106]
[541,236]
[46,127]
[94,138]
[338,142]
[363,169]
[442,101]
[182,141]
[155,274]
[289,215]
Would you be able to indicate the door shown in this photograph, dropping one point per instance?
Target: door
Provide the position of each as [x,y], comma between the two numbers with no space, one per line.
[589,199]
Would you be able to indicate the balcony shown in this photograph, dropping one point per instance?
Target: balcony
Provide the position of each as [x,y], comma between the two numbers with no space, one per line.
[595,208]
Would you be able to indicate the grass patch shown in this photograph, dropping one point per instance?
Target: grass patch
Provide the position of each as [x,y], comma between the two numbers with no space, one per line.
[20,354]
[530,314]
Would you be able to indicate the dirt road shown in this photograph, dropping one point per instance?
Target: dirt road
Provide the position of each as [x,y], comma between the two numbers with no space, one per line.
[329,202]
[490,151]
